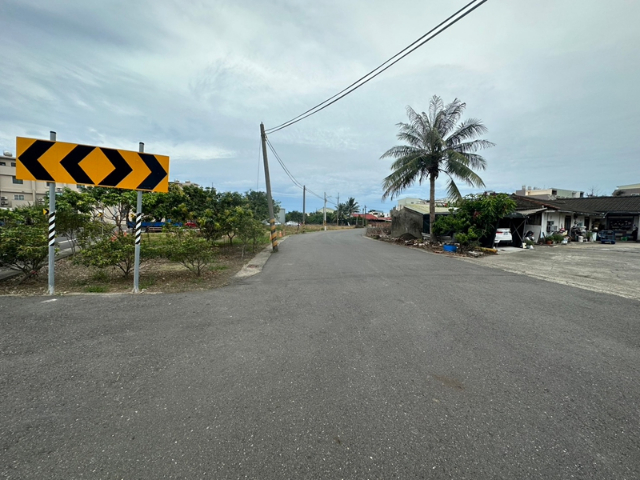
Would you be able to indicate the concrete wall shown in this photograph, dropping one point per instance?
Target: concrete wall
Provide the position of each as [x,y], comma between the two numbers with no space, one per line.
[406,222]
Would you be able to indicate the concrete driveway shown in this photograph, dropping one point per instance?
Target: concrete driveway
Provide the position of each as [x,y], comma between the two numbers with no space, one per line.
[613,269]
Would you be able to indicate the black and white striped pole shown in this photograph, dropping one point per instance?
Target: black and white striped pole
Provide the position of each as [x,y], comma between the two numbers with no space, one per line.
[138,235]
[52,229]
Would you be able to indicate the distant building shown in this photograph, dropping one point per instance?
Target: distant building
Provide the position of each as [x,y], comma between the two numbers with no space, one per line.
[329,210]
[21,193]
[185,184]
[627,190]
[548,193]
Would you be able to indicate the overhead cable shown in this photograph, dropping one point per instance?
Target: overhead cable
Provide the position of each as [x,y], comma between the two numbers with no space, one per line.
[378,70]
[290,175]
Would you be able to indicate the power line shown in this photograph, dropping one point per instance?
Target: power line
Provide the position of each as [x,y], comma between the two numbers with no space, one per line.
[370,76]
[290,175]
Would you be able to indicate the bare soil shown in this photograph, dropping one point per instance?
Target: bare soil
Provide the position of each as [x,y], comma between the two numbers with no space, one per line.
[156,276]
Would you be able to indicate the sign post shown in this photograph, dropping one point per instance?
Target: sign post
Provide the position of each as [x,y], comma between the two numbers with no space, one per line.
[138,233]
[52,229]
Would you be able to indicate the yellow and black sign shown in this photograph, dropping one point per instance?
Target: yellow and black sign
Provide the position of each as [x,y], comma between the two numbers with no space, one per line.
[61,162]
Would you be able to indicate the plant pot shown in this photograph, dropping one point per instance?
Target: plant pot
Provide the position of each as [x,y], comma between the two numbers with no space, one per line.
[549,242]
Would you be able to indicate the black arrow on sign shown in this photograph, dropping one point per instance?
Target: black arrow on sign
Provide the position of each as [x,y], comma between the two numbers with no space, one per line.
[71,161]
[157,172]
[122,168]
[30,159]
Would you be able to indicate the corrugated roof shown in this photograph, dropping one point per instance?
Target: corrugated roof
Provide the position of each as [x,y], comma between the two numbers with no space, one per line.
[599,204]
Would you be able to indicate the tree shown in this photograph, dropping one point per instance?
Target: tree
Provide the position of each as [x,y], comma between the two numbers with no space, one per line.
[475,218]
[351,207]
[116,204]
[73,212]
[437,145]
[259,205]
[293,216]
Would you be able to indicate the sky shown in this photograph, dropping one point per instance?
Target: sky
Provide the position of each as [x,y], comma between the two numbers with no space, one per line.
[556,82]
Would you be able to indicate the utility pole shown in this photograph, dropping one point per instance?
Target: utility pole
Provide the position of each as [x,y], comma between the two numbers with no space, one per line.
[304,200]
[364,219]
[338,211]
[272,220]
[324,210]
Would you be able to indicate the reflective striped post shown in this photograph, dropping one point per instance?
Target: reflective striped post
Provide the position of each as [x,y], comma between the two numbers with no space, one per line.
[138,234]
[52,229]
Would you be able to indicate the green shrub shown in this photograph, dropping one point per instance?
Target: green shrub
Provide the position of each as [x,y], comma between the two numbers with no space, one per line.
[23,240]
[188,248]
[117,251]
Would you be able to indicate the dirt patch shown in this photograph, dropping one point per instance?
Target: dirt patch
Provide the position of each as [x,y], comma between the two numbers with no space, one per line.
[156,276]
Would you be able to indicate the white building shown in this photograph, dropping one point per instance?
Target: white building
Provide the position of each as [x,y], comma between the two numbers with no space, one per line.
[548,193]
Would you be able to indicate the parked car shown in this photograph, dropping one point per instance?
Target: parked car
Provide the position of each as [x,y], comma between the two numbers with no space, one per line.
[503,235]
[291,223]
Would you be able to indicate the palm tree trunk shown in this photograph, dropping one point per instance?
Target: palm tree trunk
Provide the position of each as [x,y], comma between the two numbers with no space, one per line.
[432,205]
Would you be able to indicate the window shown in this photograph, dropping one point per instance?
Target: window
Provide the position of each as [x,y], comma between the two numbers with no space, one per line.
[3,164]
[13,164]
[17,182]
[18,197]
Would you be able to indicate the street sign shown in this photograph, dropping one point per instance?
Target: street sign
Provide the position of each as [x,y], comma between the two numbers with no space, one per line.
[61,162]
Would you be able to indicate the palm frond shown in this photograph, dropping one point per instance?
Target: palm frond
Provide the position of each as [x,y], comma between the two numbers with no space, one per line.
[472,146]
[468,129]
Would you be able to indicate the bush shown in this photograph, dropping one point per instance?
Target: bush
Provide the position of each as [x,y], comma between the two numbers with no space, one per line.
[117,251]
[188,248]
[24,242]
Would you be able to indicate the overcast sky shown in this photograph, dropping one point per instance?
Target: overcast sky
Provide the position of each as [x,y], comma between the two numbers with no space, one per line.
[557,83]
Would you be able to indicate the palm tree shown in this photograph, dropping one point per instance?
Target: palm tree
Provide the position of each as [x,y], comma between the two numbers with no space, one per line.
[437,144]
[351,207]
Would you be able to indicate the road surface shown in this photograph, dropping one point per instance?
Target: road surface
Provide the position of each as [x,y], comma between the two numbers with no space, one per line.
[345,358]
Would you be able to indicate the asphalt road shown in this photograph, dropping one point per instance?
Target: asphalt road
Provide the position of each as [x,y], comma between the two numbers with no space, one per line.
[345,358]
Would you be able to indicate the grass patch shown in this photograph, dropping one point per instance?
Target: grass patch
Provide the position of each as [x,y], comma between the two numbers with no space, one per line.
[96,289]
[147,282]
[218,268]
[100,275]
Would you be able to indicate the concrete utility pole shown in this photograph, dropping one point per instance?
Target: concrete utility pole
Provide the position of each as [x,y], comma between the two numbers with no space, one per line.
[304,200]
[324,210]
[272,220]
[338,211]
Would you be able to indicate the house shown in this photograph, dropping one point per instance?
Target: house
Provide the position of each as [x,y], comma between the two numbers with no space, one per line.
[620,214]
[325,209]
[21,193]
[627,190]
[413,220]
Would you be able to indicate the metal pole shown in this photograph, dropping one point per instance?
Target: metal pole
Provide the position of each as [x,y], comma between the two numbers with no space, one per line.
[138,233]
[272,220]
[304,199]
[324,210]
[52,228]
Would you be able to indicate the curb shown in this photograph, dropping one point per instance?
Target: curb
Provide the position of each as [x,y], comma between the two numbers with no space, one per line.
[255,265]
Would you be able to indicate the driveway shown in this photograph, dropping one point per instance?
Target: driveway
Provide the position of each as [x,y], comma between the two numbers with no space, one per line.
[613,269]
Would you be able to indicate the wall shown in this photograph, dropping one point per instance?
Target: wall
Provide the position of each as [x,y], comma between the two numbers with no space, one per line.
[406,222]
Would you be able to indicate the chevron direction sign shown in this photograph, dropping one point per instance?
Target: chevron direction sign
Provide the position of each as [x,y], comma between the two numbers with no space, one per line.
[61,162]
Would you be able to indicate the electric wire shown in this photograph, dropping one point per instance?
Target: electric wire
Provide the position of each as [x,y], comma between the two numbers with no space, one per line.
[290,175]
[370,76]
